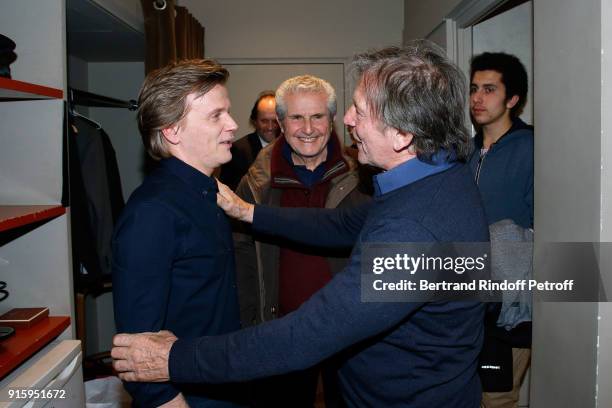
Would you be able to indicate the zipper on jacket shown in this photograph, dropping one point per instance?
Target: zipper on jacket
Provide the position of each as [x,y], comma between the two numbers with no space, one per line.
[480,161]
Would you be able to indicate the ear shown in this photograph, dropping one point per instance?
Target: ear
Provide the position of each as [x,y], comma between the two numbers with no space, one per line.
[401,140]
[512,102]
[171,134]
[280,125]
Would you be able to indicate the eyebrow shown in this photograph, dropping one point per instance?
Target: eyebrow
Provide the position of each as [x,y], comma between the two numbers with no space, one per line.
[218,110]
[299,115]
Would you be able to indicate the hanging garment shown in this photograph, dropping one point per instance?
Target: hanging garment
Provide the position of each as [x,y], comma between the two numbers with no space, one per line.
[96,201]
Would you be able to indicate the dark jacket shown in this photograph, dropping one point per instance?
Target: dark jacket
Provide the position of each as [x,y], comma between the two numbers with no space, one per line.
[244,152]
[505,179]
[257,256]
[505,175]
[417,355]
[96,200]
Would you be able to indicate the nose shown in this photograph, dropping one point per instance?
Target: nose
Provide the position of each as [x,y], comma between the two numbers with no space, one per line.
[349,116]
[307,126]
[476,96]
[270,125]
[231,124]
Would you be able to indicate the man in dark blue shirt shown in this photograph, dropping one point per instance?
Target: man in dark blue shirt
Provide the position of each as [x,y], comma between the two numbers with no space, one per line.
[407,118]
[173,265]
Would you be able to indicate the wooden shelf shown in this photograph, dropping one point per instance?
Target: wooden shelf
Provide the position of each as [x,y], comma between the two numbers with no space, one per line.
[25,342]
[14,216]
[13,89]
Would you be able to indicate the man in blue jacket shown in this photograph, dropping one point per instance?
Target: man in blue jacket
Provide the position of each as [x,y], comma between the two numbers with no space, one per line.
[502,160]
[407,118]
[173,259]
[502,163]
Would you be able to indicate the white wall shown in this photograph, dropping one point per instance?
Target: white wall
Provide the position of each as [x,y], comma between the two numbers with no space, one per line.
[604,358]
[296,28]
[422,17]
[32,52]
[567,96]
[36,265]
[120,80]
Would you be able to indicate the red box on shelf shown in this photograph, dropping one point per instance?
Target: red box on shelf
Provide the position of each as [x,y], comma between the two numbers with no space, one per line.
[23,317]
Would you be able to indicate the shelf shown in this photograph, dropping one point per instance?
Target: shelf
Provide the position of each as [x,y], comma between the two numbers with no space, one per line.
[13,89]
[27,341]
[14,216]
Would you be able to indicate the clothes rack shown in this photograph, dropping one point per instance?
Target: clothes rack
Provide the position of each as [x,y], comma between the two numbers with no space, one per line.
[84,98]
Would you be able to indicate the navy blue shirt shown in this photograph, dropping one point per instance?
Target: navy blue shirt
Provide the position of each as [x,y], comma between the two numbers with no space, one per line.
[173,268]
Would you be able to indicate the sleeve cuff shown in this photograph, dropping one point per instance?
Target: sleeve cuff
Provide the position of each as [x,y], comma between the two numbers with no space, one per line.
[263,219]
[150,394]
[182,362]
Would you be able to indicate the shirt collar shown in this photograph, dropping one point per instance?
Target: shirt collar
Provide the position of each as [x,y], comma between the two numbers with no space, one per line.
[263,141]
[411,171]
[517,124]
[191,176]
[284,172]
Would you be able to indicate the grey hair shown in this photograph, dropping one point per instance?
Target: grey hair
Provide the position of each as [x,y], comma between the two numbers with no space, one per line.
[416,89]
[304,83]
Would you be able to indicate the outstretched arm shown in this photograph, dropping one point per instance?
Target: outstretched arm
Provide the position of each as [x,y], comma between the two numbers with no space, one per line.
[333,319]
[313,226]
[323,227]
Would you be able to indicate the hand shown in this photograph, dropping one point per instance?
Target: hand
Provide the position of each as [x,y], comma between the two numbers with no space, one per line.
[143,356]
[233,205]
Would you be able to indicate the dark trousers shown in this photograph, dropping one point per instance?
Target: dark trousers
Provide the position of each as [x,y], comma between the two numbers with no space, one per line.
[299,388]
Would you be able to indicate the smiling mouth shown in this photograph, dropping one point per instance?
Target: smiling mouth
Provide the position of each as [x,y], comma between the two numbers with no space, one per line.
[311,139]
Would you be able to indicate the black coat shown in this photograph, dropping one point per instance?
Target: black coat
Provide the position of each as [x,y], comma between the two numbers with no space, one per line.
[244,152]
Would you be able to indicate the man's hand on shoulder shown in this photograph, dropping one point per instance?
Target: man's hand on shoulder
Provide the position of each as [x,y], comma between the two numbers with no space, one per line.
[143,357]
[233,205]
